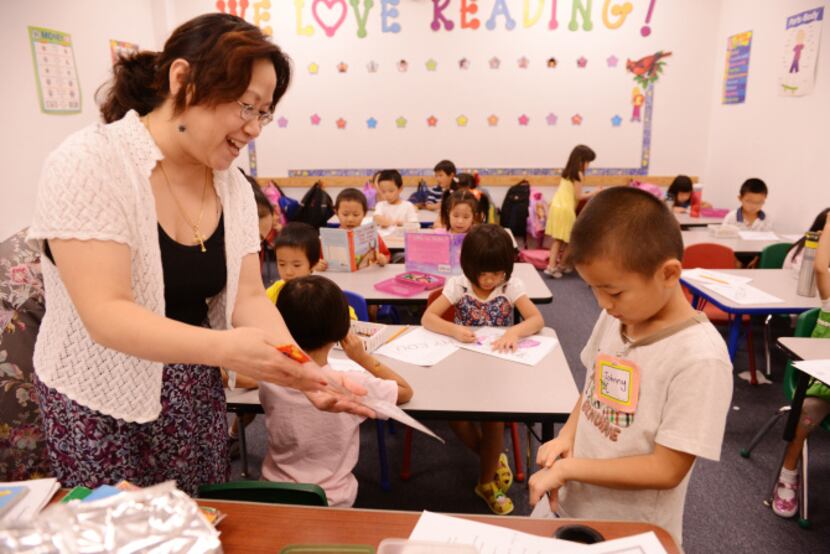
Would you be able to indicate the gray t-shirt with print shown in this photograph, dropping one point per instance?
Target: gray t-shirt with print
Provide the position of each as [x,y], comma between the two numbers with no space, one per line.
[684,396]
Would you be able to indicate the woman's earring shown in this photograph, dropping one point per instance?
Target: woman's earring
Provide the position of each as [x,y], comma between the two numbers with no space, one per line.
[182,128]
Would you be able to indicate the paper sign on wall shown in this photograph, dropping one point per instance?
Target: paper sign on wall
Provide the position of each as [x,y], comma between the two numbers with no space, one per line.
[798,60]
[736,72]
[55,71]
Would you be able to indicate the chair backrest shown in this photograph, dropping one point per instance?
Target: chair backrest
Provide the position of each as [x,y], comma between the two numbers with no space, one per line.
[361,309]
[708,256]
[303,494]
[449,314]
[773,256]
[804,326]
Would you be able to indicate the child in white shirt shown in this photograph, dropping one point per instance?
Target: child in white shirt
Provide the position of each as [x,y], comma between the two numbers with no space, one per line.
[750,216]
[391,210]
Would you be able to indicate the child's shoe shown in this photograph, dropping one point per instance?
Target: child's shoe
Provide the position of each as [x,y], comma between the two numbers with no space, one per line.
[554,272]
[504,475]
[785,497]
[497,501]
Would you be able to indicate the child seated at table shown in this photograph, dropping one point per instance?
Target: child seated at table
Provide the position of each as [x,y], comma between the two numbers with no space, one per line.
[463,212]
[795,253]
[392,210]
[659,379]
[306,445]
[444,178]
[485,295]
[750,216]
[816,405]
[351,209]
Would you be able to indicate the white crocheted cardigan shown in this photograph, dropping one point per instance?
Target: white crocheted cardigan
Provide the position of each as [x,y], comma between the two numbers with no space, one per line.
[95,186]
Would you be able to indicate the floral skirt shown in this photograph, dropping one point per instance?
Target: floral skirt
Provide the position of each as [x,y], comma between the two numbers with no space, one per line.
[187,443]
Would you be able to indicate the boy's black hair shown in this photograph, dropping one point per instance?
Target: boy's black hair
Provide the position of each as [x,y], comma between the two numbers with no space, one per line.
[629,226]
[576,161]
[391,175]
[262,202]
[315,311]
[487,248]
[465,181]
[303,236]
[681,183]
[446,166]
[755,186]
[351,195]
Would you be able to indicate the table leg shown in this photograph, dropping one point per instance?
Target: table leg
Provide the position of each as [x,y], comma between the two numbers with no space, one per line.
[734,335]
[695,300]
[795,410]
[547,432]
[243,447]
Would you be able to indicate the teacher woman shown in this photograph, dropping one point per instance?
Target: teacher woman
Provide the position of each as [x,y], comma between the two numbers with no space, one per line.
[151,269]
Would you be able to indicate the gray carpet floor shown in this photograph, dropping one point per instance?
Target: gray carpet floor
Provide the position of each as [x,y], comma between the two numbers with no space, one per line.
[724,506]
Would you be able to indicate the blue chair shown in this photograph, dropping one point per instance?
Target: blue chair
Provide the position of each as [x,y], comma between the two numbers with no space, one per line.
[361,309]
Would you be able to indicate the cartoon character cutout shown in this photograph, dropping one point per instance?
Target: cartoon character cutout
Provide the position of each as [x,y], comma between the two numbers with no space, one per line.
[797,49]
[637,100]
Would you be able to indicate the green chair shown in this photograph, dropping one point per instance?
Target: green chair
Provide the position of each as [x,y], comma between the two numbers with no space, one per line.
[803,328]
[302,494]
[772,257]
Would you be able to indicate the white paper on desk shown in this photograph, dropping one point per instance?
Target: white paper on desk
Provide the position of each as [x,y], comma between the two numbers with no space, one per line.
[530,350]
[488,539]
[644,543]
[707,276]
[40,493]
[419,347]
[386,409]
[792,238]
[820,369]
[758,235]
[744,294]
[345,365]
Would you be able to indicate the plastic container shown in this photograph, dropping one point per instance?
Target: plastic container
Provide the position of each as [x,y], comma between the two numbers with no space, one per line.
[697,198]
[807,274]
[404,546]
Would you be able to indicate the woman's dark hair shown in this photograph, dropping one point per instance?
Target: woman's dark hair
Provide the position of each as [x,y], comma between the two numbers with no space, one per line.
[487,248]
[576,161]
[303,236]
[463,196]
[221,50]
[446,166]
[681,183]
[263,205]
[315,311]
[351,195]
[391,175]
[818,224]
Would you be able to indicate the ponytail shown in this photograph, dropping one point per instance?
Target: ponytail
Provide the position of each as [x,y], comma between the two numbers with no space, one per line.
[133,87]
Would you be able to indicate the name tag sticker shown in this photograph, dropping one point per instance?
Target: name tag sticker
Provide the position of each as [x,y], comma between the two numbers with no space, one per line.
[617,383]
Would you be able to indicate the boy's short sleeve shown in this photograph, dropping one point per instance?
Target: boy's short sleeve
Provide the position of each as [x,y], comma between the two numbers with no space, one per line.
[411,213]
[697,403]
[454,289]
[515,289]
[730,219]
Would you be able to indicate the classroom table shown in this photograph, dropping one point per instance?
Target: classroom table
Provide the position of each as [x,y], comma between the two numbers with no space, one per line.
[425,217]
[395,241]
[504,391]
[801,348]
[737,244]
[363,283]
[687,222]
[777,282]
[253,528]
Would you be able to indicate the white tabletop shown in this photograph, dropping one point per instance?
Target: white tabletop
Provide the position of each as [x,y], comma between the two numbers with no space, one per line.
[807,348]
[478,386]
[396,240]
[781,283]
[363,283]
[737,244]
[424,216]
[686,220]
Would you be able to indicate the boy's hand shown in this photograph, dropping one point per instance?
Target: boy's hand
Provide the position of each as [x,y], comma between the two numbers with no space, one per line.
[383,221]
[546,481]
[322,265]
[507,342]
[382,260]
[464,334]
[431,206]
[353,347]
[549,452]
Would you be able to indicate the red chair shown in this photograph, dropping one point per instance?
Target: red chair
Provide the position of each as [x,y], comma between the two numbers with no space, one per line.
[717,256]
[406,467]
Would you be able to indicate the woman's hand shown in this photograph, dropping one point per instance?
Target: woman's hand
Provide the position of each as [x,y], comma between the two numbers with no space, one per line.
[341,395]
[246,350]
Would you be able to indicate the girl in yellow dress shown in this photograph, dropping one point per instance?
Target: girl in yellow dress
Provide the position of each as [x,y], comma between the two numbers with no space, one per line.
[562,214]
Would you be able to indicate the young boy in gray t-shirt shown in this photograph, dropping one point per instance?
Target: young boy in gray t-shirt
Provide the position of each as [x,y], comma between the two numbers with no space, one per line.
[659,379]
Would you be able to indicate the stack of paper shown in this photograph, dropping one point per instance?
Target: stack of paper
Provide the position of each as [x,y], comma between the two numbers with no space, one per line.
[40,492]
[530,350]
[744,294]
[758,235]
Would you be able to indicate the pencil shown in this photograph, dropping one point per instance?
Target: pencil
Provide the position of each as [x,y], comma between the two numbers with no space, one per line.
[397,334]
[713,279]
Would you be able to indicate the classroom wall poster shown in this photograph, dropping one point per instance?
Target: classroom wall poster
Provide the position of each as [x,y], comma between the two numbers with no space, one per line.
[120,48]
[736,71]
[798,60]
[55,71]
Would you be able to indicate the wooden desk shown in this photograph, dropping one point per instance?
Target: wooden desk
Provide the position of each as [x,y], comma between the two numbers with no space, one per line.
[363,283]
[737,244]
[687,222]
[425,217]
[265,528]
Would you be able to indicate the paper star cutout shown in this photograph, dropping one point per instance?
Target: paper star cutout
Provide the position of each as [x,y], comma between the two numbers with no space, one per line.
[523,62]
[576,119]
[313,68]
[612,60]
[494,63]
[372,123]
[524,120]
[341,123]
[282,122]
[461,120]
[401,122]
[432,121]
[403,66]
[493,120]
[342,67]
[432,65]
[372,66]
[315,119]
[582,62]
[616,121]
[551,118]
[463,63]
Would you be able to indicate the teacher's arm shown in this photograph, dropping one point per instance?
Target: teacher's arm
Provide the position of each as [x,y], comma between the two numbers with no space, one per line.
[97,276]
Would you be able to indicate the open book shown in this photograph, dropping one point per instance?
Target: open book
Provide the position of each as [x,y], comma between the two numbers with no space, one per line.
[349,250]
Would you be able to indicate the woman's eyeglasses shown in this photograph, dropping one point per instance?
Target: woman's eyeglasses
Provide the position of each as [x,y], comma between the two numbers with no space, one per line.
[249,113]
